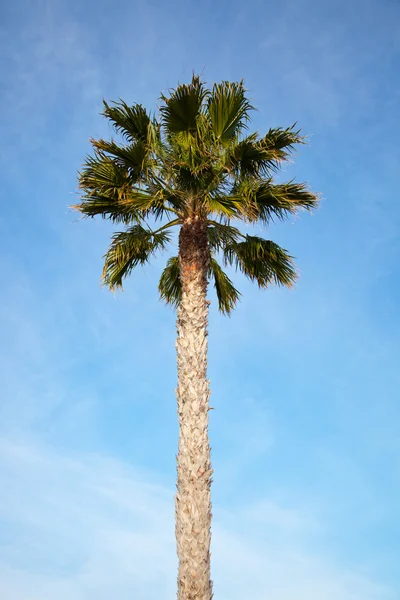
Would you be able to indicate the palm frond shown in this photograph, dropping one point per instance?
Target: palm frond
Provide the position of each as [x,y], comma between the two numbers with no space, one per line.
[154,201]
[262,261]
[228,206]
[280,200]
[131,121]
[219,235]
[227,294]
[280,142]
[170,287]
[106,185]
[248,158]
[228,109]
[108,208]
[129,249]
[259,157]
[102,173]
[181,109]
[131,157]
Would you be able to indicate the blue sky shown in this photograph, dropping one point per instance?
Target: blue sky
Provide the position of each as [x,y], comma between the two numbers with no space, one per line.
[306,426]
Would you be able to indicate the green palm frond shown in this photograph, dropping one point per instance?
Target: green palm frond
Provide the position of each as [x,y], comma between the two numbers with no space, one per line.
[153,202]
[226,292]
[228,109]
[255,157]
[128,249]
[280,142]
[132,157]
[262,261]
[108,208]
[106,186]
[263,201]
[228,207]
[281,200]
[180,111]
[219,235]
[248,158]
[170,287]
[102,173]
[131,121]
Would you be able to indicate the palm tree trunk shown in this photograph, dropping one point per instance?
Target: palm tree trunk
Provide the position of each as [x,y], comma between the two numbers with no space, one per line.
[193,502]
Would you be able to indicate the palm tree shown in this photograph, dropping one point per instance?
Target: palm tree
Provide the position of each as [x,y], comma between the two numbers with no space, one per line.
[193,166]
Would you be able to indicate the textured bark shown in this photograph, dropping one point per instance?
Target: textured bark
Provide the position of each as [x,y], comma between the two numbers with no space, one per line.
[193,502]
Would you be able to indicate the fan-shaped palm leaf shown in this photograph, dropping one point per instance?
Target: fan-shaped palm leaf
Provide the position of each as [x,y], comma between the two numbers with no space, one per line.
[262,261]
[131,121]
[228,109]
[180,111]
[128,249]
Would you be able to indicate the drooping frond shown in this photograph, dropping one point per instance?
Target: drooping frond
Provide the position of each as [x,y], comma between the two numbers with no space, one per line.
[128,249]
[228,109]
[226,292]
[170,287]
[180,111]
[131,121]
[262,261]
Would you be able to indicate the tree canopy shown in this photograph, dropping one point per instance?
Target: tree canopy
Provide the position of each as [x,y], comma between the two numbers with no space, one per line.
[194,158]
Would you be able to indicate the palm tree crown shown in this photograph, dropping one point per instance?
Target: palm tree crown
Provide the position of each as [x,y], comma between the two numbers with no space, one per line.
[195,160]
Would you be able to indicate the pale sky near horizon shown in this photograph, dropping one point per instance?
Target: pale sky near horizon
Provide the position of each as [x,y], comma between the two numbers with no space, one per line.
[306,427]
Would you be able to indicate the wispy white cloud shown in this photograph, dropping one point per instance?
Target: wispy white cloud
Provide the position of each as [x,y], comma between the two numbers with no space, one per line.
[92,527]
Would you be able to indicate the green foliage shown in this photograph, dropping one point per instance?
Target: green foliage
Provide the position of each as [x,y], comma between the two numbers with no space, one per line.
[180,111]
[170,286]
[227,294]
[193,159]
[220,235]
[229,110]
[132,121]
[261,261]
[131,248]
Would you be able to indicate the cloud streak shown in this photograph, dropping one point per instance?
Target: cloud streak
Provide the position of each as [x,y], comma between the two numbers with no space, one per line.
[92,527]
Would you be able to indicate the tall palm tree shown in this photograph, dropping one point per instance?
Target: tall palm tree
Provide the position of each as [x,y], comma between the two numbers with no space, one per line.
[193,166]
